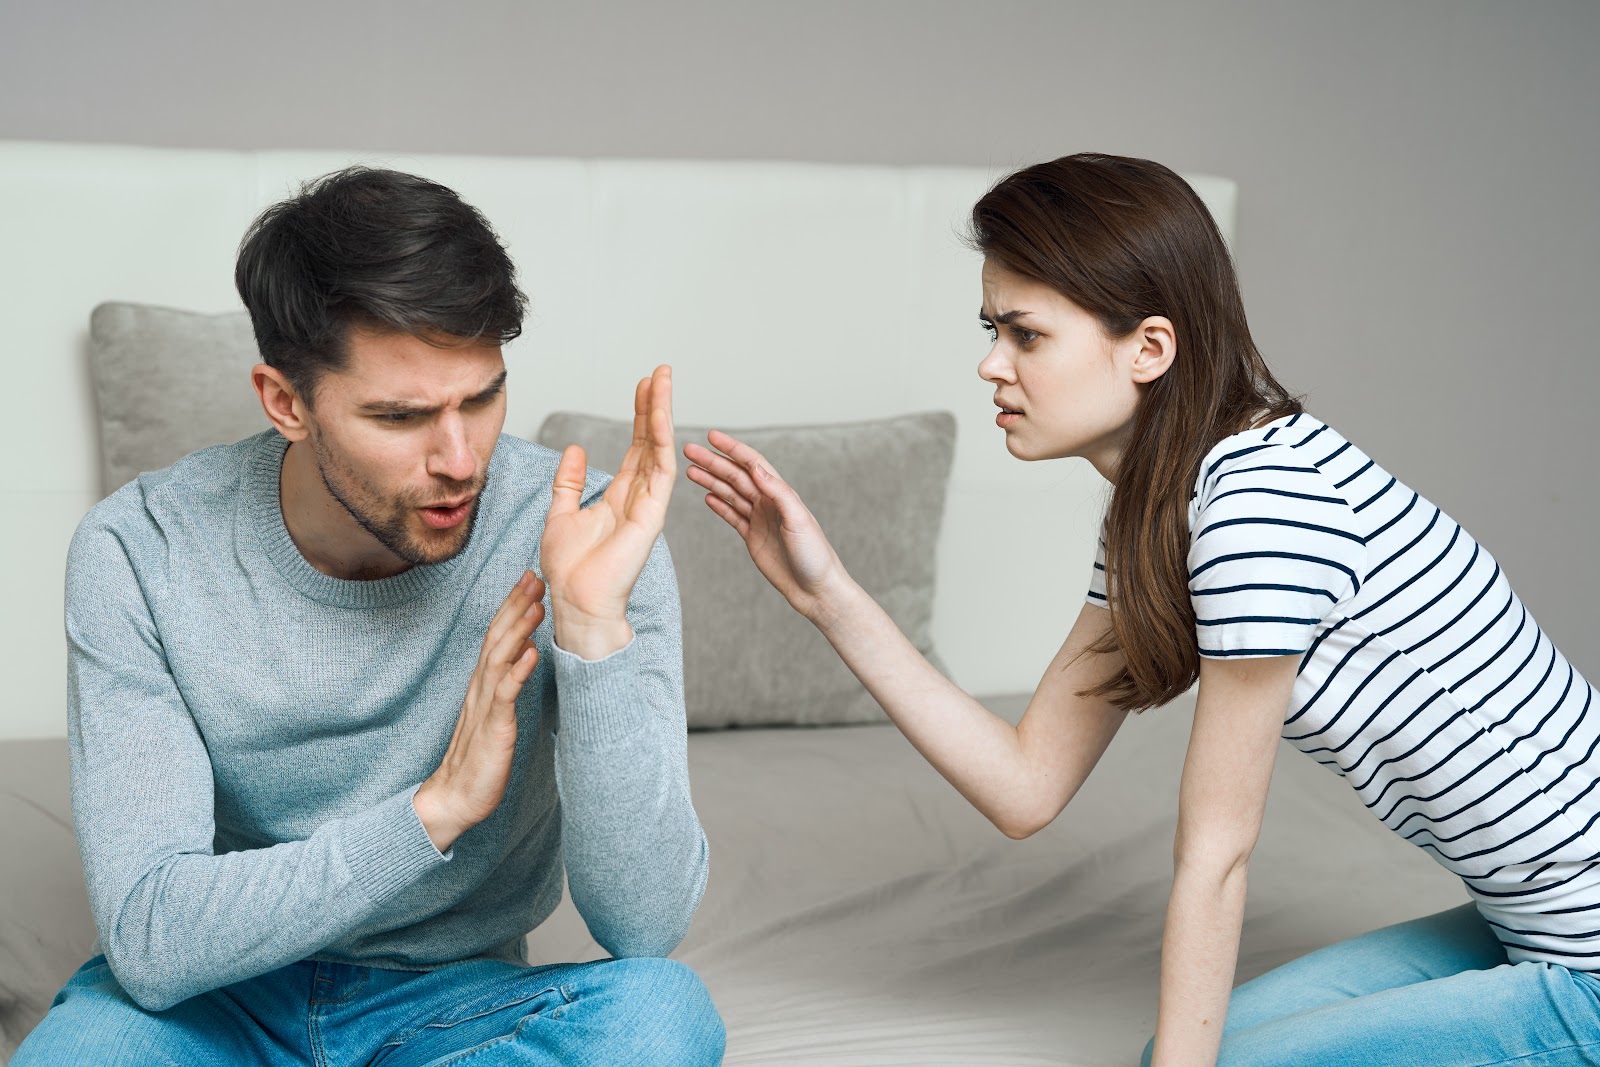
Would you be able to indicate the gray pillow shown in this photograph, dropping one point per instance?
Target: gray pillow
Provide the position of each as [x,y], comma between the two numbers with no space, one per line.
[878,490]
[167,383]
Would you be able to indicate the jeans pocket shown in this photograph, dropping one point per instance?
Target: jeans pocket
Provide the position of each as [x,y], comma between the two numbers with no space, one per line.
[532,999]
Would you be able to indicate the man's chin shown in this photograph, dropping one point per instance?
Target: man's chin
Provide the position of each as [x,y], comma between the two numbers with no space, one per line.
[429,546]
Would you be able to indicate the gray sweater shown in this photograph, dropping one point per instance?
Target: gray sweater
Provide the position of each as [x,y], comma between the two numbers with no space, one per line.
[247,733]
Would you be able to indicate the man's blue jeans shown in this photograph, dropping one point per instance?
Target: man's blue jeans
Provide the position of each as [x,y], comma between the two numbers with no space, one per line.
[610,1013]
[1433,992]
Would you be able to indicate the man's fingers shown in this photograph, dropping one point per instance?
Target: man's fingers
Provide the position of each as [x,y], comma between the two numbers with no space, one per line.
[641,428]
[512,640]
[528,590]
[511,682]
[514,602]
[567,490]
[663,451]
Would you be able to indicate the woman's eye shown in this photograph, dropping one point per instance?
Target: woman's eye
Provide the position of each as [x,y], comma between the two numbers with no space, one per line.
[990,329]
[1023,336]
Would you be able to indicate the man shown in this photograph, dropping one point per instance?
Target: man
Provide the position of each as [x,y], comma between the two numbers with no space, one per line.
[332,738]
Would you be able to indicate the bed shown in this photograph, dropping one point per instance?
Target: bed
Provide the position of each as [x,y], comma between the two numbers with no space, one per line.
[859,912]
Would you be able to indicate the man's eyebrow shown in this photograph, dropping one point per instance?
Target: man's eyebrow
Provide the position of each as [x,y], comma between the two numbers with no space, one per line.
[1002,320]
[405,407]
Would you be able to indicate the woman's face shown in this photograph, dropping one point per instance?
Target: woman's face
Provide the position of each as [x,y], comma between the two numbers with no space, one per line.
[1070,389]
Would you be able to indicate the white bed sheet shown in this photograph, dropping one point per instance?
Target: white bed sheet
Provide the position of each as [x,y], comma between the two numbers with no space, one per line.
[861,914]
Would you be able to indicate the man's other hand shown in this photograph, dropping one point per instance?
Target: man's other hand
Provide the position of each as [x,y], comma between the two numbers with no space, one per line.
[472,778]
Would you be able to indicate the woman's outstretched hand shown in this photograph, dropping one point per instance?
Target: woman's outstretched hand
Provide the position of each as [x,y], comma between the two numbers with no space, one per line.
[783,537]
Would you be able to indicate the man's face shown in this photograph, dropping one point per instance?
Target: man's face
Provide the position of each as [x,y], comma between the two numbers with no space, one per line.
[402,437]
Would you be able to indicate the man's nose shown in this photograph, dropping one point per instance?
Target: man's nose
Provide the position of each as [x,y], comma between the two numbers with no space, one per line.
[451,456]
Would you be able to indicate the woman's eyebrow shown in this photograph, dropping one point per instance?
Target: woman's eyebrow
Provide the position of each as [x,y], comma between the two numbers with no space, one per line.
[1002,319]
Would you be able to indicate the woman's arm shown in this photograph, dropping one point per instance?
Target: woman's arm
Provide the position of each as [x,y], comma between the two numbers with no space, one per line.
[1234,740]
[1019,777]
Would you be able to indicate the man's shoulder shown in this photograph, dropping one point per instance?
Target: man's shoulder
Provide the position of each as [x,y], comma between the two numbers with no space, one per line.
[203,483]
[141,525]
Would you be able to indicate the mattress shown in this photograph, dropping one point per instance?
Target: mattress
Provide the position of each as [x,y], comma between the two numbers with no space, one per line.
[861,914]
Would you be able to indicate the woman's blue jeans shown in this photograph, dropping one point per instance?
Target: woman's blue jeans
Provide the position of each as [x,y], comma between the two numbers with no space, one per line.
[602,1014]
[1432,992]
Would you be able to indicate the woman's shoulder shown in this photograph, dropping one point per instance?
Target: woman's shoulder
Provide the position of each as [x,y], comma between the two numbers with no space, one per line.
[1289,451]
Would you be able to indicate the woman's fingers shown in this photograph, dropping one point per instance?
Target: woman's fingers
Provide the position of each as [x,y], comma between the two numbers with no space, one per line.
[722,489]
[729,516]
[723,468]
[742,453]
[766,480]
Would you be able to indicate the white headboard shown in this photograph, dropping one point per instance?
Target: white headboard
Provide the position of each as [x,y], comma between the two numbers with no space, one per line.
[779,292]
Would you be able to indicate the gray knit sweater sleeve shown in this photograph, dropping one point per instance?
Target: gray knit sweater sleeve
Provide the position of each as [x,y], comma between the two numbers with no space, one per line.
[635,853]
[174,919]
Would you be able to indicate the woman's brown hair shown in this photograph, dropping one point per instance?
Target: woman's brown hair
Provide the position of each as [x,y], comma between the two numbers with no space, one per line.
[1126,239]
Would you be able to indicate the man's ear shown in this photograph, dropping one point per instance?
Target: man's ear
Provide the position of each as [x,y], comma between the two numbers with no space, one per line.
[1158,347]
[281,401]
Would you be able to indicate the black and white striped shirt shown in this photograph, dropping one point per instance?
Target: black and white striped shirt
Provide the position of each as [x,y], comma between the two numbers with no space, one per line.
[1423,680]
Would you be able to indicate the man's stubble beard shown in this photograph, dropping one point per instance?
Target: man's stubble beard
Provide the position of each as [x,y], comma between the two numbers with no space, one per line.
[393,532]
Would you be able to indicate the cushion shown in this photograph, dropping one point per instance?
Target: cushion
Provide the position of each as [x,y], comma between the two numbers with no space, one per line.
[167,383]
[878,490]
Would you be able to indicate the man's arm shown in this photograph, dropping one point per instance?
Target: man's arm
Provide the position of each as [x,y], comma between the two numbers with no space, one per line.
[174,919]
[635,852]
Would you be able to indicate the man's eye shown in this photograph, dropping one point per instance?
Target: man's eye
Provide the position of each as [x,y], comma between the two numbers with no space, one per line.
[395,417]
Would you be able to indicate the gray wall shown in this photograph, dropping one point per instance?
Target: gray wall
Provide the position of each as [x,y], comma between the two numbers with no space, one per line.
[1419,238]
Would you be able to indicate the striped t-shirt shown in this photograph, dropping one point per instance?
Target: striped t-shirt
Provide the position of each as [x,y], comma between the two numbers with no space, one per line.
[1423,680]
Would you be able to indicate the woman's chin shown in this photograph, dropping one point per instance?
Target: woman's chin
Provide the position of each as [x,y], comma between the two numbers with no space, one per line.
[1018,448]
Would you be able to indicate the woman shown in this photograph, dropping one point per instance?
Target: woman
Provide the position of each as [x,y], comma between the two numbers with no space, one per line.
[1249,546]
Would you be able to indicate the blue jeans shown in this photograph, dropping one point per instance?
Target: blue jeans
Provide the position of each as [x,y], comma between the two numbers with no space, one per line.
[1433,991]
[611,1012]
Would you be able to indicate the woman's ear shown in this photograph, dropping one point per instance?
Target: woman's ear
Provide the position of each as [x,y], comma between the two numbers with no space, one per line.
[280,401]
[1158,347]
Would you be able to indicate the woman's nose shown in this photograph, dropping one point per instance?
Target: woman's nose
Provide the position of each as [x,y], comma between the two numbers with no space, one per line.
[995,367]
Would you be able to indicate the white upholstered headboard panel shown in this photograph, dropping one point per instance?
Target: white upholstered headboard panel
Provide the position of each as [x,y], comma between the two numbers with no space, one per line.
[779,292]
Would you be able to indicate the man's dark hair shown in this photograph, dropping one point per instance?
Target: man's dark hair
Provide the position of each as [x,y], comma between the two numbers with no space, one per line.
[378,249]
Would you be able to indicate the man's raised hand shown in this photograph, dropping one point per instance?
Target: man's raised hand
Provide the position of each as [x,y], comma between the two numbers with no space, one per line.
[472,777]
[592,556]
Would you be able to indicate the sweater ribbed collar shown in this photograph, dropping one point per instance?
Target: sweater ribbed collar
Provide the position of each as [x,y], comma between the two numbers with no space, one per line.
[262,510]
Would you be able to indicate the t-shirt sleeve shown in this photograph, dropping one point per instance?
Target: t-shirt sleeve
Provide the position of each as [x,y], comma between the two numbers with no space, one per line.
[1097,577]
[1273,549]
